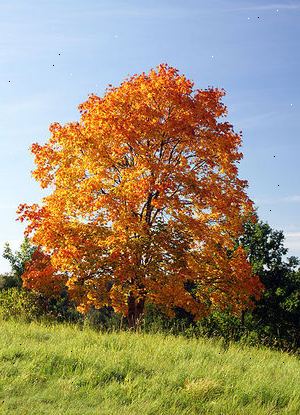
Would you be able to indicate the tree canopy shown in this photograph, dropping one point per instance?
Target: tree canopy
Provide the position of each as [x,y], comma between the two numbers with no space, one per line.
[145,200]
[278,310]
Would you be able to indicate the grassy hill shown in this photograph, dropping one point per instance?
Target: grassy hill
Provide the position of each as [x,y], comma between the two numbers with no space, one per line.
[63,370]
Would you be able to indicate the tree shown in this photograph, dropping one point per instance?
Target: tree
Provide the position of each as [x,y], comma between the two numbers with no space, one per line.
[17,262]
[145,200]
[33,287]
[277,312]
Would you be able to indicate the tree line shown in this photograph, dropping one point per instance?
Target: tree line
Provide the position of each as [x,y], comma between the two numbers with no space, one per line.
[274,320]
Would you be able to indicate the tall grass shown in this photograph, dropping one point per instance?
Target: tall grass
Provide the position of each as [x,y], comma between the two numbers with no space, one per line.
[63,370]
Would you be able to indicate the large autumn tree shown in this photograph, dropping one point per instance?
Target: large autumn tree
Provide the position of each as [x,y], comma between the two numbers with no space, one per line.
[145,202]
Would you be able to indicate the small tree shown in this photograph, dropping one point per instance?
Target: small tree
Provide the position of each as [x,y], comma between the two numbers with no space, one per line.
[17,260]
[146,200]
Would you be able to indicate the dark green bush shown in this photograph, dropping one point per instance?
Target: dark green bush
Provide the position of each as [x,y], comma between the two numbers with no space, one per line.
[9,281]
[28,305]
[103,319]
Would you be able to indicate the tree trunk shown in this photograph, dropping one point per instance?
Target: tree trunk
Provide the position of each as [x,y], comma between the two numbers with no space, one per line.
[243,318]
[135,311]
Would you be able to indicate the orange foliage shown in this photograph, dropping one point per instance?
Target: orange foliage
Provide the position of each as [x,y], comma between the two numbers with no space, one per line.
[145,199]
[40,276]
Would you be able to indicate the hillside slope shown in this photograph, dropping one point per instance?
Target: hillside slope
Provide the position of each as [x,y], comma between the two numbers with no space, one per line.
[63,370]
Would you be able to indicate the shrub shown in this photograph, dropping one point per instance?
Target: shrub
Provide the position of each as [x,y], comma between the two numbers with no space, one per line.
[9,281]
[19,303]
[28,305]
[104,318]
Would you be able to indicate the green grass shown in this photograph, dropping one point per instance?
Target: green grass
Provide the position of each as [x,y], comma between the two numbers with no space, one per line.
[62,370]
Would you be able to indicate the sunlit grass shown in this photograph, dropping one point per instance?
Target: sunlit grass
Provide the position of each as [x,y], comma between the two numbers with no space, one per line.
[63,370]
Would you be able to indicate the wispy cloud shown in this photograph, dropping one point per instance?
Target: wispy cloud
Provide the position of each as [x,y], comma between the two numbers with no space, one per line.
[9,206]
[294,198]
[257,119]
[275,201]
[292,234]
[274,6]
[292,241]
[40,100]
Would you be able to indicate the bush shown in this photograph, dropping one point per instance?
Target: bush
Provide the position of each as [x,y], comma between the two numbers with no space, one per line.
[220,324]
[28,305]
[19,303]
[104,318]
[9,281]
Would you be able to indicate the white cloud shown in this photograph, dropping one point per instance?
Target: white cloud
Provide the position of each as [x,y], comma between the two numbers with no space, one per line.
[40,101]
[292,235]
[275,201]
[9,206]
[258,119]
[274,6]
[294,198]
[292,242]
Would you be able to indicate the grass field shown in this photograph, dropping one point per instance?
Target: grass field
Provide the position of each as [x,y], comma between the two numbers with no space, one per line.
[63,370]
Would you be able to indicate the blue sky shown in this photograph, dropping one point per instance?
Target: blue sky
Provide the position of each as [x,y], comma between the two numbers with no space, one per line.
[54,53]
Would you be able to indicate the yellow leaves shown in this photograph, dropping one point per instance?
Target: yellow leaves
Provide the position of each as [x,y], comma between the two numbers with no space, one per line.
[82,308]
[119,299]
